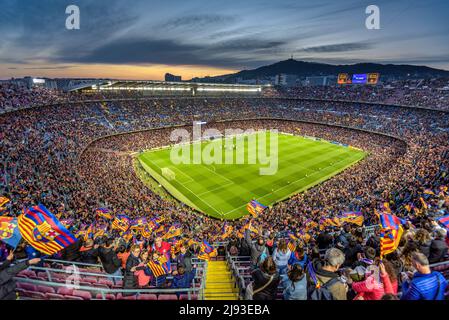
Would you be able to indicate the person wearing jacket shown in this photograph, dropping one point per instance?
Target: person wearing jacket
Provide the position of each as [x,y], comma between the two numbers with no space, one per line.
[7,274]
[295,285]
[129,278]
[143,279]
[184,258]
[109,260]
[324,272]
[371,288]
[281,255]
[438,247]
[71,253]
[388,274]
[425,284]
[298,257]
[256,249]
[89,252]
[182,279]
[265,280]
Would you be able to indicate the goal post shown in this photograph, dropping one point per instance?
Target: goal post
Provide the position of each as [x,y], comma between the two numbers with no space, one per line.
[168,174]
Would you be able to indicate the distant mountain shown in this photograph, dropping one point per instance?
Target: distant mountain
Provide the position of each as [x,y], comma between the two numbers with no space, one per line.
[305,69]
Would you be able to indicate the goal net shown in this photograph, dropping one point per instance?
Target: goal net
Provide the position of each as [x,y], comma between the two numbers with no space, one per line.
[168,174]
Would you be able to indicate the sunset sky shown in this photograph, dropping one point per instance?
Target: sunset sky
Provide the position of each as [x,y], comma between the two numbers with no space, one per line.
[145,39]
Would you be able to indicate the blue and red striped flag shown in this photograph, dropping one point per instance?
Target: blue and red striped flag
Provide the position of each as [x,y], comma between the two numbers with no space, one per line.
[391,233]
[207,251]
[444,221]
[43,231]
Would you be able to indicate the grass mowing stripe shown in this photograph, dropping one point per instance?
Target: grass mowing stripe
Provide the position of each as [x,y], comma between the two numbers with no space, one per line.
[226,188]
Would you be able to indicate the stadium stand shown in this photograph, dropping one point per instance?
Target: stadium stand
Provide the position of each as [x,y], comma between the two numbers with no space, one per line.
[76,156]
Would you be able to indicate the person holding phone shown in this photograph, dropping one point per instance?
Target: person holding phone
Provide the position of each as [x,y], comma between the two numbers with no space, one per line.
[425,284]
[7,274]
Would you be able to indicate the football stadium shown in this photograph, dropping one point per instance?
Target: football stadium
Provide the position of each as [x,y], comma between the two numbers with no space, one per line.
[244,176]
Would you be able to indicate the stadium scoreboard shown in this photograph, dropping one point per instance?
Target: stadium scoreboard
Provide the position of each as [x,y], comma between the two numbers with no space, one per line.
[361,78]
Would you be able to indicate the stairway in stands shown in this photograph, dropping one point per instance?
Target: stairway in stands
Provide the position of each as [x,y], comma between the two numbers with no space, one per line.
[219,282]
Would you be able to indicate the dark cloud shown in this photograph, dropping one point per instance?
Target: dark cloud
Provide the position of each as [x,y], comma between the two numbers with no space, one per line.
[200,20]
[150,51]
[339,47]
[48,68]
[248,44]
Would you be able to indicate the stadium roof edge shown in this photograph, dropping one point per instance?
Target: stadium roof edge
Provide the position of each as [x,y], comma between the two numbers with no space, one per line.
[158,84]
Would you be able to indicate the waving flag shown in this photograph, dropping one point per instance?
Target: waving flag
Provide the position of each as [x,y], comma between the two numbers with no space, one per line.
[146,232]
[176,246]
[173,231]
[250,227]
[389,240]
[226,231]
[353,217]
[386,207]
[292,245]
[138,224]
[89,232]
[9,231]
[255,208]
[121,222]
[444,221]
[3,201]
[391,233]
[424,204]
[207,251]
[104,213]
[153,224]
[42,230]
[160,267]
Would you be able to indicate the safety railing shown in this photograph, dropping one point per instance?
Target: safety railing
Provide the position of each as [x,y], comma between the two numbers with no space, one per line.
[75,271]
[94,291]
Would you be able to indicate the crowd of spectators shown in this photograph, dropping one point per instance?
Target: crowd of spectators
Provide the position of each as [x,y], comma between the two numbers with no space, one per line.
[426,93]
[51,155]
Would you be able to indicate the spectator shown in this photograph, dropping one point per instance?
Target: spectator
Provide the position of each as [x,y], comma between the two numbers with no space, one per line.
[265,280]
[130,279]
[143,278]
[258,250]
[333,260]
[89,252]
[299,256]
[281,255]
[371,288]
[425,284]
[295,285]
[389,277]
[110,261]
[7,274]
[438,247]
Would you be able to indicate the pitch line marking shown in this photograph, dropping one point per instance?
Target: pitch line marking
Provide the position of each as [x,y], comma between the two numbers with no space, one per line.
[314,172]
[193,193]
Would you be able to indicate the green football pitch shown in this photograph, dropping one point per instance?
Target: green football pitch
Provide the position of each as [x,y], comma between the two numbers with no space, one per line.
[223,190]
